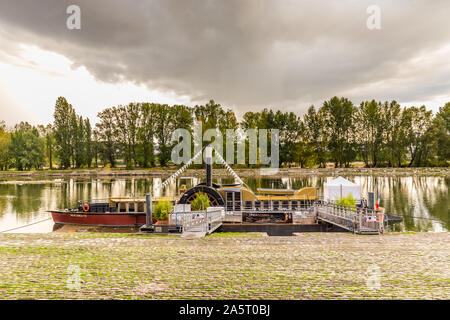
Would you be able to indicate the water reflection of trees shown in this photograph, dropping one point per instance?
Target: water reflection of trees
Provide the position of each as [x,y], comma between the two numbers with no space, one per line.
[437,201]
[27,199]
[423,197]
[7,192]
[284,183]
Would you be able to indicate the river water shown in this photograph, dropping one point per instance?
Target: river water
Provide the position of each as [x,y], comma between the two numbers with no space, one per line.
[422,201]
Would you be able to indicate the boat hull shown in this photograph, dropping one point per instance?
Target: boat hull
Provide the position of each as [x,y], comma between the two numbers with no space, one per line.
[99,219]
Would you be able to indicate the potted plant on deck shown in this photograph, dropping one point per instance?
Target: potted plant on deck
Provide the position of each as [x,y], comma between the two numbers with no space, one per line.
[348,201]
[161,212]
[201,202]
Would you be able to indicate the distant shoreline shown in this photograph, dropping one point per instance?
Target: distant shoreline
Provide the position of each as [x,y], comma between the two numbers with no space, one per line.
[244,173]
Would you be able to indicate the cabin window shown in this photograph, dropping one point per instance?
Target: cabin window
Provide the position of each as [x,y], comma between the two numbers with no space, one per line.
[131,207]
[229,201]
[248,205]
[285,204]
[276,205]
[266,204]
[294,205]
[233,201]
[257,205]
[302,204]
[140,207]
[122,207]
[237,201]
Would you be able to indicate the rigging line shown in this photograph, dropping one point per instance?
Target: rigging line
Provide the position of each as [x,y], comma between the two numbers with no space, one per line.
[233,173]
[179,171]
[30,224]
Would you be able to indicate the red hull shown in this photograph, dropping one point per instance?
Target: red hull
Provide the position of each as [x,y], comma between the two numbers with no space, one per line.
[99,219]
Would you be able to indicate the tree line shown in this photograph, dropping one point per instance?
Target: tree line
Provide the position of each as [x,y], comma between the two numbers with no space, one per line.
[138,135]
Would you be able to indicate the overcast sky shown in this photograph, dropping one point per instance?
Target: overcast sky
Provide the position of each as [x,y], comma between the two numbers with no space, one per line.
[246,54]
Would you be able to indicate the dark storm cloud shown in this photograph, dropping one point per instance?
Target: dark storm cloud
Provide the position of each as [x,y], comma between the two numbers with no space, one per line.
[247,53]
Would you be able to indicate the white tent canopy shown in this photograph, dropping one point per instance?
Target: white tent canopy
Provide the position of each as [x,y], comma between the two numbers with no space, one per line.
[340,188]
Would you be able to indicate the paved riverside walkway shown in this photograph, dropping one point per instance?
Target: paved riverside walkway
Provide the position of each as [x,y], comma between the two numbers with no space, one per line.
[228,266]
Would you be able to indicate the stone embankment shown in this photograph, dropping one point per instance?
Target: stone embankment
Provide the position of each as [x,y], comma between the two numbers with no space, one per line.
[225,266]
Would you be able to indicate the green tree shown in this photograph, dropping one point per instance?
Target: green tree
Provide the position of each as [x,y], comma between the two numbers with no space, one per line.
[369,130]
[63,130]
[339,120]
[289,135]
[132,122]
[88,144]
[27,147]
[418,122]
[164,128]
[210,116]
[250,120]
[304,152]
[126,119]
[5,142]
[47,133]
[146,133]
[78,142]
[107,138]
[95,146]
[315,134]
[213,116]
[394,133]
[441,124]
[49,145]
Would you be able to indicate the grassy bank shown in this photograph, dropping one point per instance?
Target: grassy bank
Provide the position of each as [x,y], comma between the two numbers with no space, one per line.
[243,172]
[229,266]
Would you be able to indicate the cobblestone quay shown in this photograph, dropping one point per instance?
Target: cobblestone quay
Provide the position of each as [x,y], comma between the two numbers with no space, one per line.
[225,266]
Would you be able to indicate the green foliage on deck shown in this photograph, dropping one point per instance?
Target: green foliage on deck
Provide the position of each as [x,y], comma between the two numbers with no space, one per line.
[201,202]
[348,201]
[161,210]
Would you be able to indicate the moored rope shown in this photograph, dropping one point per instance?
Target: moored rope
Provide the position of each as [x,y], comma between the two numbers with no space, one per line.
[27,225]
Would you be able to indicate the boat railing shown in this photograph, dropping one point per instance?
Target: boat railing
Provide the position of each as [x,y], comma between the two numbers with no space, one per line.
[281,205]
[93,201]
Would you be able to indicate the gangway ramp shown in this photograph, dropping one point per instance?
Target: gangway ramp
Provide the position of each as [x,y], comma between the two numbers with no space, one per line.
[354,219]
[199,223]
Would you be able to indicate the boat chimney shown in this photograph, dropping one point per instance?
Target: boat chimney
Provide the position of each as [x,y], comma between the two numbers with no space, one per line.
[208,158]
[371,199]
[148,226]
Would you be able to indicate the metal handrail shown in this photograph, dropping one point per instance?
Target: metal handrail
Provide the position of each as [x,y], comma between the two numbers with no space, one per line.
[208,220]
[94,201]
[353,218]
